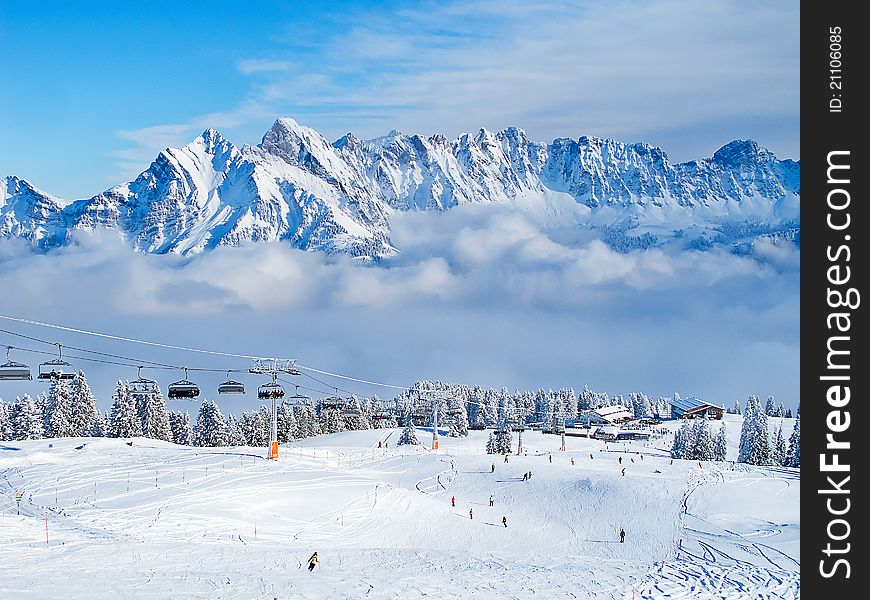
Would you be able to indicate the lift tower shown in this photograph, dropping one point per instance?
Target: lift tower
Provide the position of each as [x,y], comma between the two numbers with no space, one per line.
[273,391]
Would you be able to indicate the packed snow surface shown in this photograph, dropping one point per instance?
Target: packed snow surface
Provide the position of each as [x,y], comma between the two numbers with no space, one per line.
[102,519]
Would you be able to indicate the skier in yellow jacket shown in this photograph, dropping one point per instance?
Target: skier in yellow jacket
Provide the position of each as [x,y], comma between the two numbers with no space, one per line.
[312,562]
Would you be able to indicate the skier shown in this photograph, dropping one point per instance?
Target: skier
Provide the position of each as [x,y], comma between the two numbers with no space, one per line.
[526,476]
[490,500]
[551,459]
[672,461]
[530,474]
[471,513]
[621,535]
[623,471]
[453,501]
[493,468]
[312,562]
[504,521]
[380,444]
[505,457]
[591,457]
[572,460]
[620,460]
[632,460]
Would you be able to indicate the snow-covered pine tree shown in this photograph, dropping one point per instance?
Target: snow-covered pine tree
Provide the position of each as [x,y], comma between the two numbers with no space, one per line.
[306,422]
[234,432]
[211,428]
[254,429]
[770,407]
[788,414]
[59,420]
[746,448]
[777,455]
[124,419]
[490,406]
[266,419]
[331,421]
[182,432]
[5,421]
[152,414]
[354,420]
[640,404]
[702,448]
[409,433]
[459,425]
[720,446]
[793,454]
[26,419]
[41,402]
[286,423]
[100,426]
[587,397]
[682,438]
[754,436]
[763,452]
[84,414]
[499,441]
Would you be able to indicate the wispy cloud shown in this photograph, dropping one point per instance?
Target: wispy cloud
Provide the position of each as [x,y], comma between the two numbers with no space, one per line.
[261,66]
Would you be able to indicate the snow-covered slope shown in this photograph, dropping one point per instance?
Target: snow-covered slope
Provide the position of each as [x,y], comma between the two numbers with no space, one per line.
[297,187]
[158,520]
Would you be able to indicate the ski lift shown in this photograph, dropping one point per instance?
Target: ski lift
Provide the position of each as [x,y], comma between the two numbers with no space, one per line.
[380,415]
[231,387]
[183,389]
[333,402]
[297,399]
[142,385]
[13,371]
[350,410]
[270,391]
[52,369]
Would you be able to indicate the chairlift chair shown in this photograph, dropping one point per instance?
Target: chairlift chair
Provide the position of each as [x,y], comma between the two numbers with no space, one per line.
[143,385]
[56,368]
[183,389]
[297,399]
[13,371]
[350,410]
[332,402]
[231,387]
[270,391]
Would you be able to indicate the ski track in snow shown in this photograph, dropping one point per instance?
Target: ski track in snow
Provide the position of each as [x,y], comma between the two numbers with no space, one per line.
[157,521]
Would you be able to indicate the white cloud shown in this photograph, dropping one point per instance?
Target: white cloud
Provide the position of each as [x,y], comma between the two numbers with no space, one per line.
[261,66]
[480,296]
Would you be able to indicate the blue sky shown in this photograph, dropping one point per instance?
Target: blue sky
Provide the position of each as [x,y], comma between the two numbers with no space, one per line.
[92,91]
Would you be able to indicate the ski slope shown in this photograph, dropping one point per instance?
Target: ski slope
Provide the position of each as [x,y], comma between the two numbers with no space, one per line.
[155,520]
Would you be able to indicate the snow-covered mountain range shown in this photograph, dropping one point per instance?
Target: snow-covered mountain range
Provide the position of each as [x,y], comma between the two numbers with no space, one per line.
[297,187]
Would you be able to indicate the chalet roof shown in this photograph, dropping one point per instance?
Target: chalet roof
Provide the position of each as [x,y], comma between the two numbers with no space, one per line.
[606,411]
[690,404]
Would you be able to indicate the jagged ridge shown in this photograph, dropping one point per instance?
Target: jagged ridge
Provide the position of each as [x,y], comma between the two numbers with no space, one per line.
[297,187]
